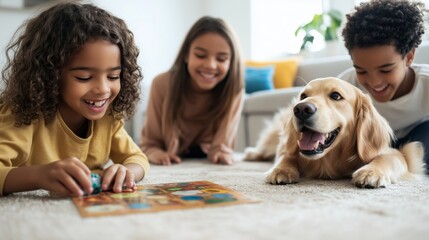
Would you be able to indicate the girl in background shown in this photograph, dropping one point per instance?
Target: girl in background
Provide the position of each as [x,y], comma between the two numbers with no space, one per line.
[194,108]
[70,80]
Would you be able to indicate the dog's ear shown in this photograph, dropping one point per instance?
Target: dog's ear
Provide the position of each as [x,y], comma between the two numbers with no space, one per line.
[373,132]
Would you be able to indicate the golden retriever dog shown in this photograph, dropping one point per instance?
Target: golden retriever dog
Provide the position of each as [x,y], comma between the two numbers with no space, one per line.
[333,131]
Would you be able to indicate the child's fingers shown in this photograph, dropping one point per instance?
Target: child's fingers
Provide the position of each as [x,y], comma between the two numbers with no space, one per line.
[81,165]
[60,189]
[222,158]
[81,177]
[116,177]
[215,158]
[108,176]
[165,160]
[121,173]
[175,159]
[72,174]
[226,160]
[129,180]
[71,186]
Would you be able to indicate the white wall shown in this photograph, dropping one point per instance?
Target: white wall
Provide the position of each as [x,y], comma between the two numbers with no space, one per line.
[237,13]
[10,20]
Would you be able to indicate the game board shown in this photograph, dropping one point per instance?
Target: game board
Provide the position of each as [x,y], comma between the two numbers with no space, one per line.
[159,197]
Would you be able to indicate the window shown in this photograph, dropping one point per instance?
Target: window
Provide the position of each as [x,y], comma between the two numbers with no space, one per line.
[273,25]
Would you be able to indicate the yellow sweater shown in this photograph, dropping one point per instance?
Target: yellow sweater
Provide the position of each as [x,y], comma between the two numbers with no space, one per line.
[41,143]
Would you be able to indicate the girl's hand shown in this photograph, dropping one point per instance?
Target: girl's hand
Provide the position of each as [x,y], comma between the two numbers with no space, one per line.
[116,177]
[66,177]
[163,158]
[222,158]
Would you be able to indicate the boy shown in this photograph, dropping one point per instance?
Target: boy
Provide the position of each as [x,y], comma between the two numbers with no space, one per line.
[381,37]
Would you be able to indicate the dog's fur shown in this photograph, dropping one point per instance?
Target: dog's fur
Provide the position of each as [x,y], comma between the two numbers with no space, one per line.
[361,148]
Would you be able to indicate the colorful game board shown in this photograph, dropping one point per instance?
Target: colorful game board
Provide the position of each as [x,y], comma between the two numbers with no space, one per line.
[159,197]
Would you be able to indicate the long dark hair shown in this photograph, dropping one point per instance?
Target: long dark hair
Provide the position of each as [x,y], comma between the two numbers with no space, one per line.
[224,92]
[36,57]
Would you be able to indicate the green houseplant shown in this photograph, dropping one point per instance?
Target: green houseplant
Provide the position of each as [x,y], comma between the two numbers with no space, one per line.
[326,23]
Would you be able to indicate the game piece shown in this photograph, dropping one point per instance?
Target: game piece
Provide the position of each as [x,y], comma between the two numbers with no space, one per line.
[159,197]
[96,183]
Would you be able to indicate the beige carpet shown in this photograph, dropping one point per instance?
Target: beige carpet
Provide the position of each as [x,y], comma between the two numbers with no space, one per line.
[308,210]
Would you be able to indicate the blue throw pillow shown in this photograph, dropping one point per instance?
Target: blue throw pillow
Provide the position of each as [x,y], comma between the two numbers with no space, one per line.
[258,78]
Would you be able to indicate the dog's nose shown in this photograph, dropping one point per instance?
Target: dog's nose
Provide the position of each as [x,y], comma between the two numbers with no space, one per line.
[304,110]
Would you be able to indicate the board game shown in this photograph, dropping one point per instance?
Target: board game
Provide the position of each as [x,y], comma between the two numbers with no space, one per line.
[159,197]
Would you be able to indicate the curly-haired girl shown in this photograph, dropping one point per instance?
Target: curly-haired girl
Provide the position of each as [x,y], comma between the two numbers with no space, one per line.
[71,78]
[195,107]
[381,37]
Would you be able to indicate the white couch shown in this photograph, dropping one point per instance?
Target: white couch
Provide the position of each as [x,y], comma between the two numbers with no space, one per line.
[259,107]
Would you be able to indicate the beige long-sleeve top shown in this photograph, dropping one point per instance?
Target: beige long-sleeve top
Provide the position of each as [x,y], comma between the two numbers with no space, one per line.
[156,137]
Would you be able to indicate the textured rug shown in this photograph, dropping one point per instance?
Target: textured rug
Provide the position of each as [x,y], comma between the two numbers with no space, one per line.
[311,209]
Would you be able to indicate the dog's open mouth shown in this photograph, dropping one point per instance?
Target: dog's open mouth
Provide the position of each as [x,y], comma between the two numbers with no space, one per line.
[312,142]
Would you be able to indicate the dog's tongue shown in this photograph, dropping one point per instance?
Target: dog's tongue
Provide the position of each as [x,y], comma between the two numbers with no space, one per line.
[310,140]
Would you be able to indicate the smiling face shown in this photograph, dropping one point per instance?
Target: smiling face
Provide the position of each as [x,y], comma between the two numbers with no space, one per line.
[323,117]
[383,71]
[90,82]
[208,61]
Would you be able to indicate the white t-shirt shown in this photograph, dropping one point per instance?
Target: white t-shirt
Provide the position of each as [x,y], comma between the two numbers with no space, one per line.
[406,112]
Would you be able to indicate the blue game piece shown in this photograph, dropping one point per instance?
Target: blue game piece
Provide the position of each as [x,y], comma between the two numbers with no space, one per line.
[96,183]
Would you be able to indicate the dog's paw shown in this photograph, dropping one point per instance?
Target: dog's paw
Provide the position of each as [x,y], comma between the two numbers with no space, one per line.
[282,176]
[370,177]
[251,154]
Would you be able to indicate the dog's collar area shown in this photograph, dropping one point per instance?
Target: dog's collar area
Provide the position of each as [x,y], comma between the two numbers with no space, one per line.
[312,142]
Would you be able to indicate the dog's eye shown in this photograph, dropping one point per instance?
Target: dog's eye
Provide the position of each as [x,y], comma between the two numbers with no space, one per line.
[303,96]
[336,96]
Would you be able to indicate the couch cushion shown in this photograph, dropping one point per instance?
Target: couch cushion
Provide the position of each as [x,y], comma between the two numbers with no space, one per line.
[321,67]
[269,101]
[258,78]
[284,70]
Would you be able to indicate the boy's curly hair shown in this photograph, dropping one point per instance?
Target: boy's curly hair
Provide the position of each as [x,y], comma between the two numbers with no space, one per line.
[36,57]
[399,23]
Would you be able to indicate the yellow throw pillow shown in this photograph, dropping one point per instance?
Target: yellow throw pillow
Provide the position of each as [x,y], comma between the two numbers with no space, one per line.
[284,70]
